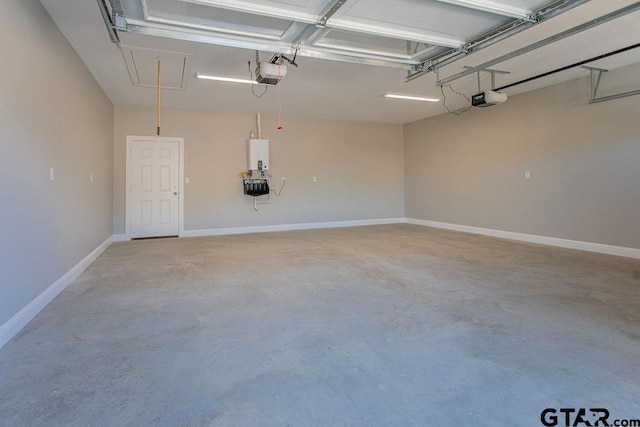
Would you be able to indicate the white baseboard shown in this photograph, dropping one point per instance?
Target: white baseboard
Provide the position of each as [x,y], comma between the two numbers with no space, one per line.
[120,238]
[289,227]
[532,238]
[12,326]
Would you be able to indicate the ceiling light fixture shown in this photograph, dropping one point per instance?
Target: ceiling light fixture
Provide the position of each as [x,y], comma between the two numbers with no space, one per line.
[411,98]
[226,79]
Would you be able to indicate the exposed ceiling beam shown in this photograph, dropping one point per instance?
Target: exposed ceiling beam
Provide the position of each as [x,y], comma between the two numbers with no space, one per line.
[490,7]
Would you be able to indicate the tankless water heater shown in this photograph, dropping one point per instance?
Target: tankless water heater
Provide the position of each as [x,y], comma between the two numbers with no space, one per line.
[258,154]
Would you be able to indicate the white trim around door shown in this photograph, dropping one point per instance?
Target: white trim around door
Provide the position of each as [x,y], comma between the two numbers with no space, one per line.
[128,181]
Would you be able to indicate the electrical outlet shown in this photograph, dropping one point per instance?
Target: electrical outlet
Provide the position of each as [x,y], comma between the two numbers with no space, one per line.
[527,174]
[284,179]
[315,179]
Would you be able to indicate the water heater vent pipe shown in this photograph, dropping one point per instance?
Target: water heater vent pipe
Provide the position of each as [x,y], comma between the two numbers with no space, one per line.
[259,129]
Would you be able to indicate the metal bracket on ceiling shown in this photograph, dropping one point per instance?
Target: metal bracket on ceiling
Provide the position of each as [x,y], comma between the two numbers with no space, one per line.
[486,70]
[332,9]
[109,15]
[464,49]
[120,22]
[119,19]
[278,57]
[314,31]
[616,96]
[423,67]
[531,19]
[329,12]
[595,75]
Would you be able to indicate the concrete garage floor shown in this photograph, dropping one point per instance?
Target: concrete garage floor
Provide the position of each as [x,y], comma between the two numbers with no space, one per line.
[386,325]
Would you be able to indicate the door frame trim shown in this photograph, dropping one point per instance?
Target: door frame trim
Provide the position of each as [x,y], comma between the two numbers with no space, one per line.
[180,141]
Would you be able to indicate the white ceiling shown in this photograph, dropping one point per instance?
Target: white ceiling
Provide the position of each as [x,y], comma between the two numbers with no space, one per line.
[323,88]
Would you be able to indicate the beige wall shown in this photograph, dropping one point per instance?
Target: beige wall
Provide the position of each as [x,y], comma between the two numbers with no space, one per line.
[584,160]
[52,115]
[359,167]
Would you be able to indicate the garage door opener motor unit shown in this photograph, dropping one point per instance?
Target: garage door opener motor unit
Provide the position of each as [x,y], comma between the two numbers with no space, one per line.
[488,98]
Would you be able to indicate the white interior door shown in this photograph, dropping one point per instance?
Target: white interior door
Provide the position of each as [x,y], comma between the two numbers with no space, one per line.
[154,186]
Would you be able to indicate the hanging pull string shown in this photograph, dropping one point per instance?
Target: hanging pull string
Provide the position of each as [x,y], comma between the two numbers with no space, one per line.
[158,102]
[266,87]
[279,97]
[444,100]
